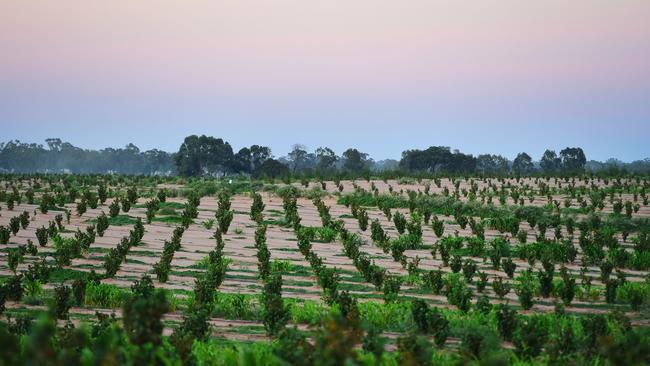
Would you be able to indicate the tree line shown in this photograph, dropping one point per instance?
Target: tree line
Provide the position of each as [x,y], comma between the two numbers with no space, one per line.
[58,156]
[207,155]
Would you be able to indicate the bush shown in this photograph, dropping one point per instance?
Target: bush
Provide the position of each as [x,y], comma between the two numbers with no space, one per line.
[62,301]
[545,282]
[82,206]
[79,291]
[429,320]
[257,208]
[114,208]
[14,257]
[438,226]
[391,286]
[433,280]
[362,217]
[500,288]
[525,294]
[530,337]
[469,269]
[594,326]
[400,222]
[102,224]
[5,235]
[276,314]
[506,321]
[509,267]
[224,219]
[3,299]
[13,288]
[142,313]
[414,350]
[567,289]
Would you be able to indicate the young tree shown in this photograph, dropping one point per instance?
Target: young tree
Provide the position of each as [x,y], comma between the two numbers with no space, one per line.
[62,301]
[143,311]
[102,224]
[276,314]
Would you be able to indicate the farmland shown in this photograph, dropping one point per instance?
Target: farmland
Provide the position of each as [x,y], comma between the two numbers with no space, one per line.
[381,271]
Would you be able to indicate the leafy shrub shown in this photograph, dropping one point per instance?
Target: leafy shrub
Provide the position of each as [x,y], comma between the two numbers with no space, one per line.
[506,321]
[414,350]
[362,217]
[5,235]
[429,320]
[13,288]
[79,290]
[275,314]
[509,266]
[500,288]
[102,224]
[400,222]
[433,279]
[530,337]
[114,208]
[62,301]
[142,312]
[391,286]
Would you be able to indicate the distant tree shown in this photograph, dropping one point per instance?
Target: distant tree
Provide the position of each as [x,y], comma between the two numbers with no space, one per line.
[550,162]
[492,164]
[242,161]
[437,158]
[354,160]
[248,160]
[259,155]
[326,158]
[523,164]
[198,155]
[272,168]
[297,157]
[573,159]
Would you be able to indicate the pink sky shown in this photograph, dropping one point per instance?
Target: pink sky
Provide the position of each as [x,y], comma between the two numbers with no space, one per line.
[245,46]
[534,57]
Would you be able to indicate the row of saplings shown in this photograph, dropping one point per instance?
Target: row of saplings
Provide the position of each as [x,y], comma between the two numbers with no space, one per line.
[430,321]
[142,311]
[592,236]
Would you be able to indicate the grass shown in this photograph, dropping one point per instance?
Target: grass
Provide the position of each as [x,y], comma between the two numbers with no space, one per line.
[119,220]
[59,275]
[168,219]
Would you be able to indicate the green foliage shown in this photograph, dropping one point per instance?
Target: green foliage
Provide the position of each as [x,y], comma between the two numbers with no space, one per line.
[430,321]
[102,224]
[506,318]
[275,313]
[391,287]
[400,222]
[114,208]
[5,234]
[414,350]
[62,301]
[142,313]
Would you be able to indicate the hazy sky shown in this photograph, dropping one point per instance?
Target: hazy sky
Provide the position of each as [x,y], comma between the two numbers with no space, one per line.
[498,76]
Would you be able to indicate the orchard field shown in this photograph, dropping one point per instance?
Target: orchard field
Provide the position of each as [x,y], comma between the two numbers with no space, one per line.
[411,271]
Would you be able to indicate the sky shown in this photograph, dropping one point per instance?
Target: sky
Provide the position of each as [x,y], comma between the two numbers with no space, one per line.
[499,76]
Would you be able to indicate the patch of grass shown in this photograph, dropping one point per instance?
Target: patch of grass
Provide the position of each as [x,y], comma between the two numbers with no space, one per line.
[119,220]
[66,274]
[168,219]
